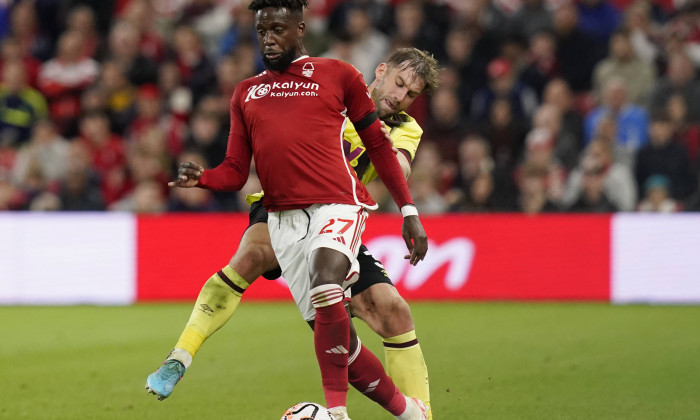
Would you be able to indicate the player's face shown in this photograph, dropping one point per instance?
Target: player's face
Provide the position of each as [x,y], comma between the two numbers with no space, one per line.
[279,36]
[395,89]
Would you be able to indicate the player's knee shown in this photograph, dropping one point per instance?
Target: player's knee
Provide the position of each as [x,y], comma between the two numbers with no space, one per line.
[395,316]
[251,261]
[326,275]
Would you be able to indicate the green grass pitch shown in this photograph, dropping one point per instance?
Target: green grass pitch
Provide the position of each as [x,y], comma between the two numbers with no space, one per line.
[486,360]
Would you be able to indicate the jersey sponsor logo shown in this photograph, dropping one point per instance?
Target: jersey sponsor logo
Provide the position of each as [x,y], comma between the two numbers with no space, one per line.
[257,91]
[308,69]
[282,90]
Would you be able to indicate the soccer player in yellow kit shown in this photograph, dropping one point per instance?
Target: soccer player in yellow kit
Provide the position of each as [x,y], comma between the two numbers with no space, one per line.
[406,74]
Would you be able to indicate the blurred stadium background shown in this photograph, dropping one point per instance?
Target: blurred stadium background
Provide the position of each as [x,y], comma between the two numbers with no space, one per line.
[561,129]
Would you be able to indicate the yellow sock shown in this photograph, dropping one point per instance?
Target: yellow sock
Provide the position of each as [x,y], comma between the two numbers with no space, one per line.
[216,303]
[406,366]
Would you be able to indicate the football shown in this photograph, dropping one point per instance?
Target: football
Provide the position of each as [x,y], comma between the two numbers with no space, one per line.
[307,411]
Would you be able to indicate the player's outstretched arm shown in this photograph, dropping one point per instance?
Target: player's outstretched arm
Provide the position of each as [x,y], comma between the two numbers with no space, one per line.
[188,175]
[414,235]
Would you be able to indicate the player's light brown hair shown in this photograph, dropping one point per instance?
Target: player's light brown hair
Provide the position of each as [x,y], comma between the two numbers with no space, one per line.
[423,64]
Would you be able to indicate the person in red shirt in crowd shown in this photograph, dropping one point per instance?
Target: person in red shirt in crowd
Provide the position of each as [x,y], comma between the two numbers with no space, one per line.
[291,119]
[148,115]
[10,50]
[63,79]
[106,150]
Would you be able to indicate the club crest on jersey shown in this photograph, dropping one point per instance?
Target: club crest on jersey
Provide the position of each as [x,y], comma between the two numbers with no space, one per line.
[308,69]
[257,91]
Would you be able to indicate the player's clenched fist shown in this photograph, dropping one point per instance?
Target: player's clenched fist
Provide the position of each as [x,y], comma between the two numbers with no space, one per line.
[187,175]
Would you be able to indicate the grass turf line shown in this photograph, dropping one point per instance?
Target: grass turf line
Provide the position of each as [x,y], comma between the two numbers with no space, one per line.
[486,361]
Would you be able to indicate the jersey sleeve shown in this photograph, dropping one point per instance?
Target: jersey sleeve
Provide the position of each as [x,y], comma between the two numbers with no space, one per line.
[357,98]
[406,137]
[233,172]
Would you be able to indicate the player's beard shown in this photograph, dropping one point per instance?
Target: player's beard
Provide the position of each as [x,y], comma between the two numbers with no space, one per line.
[282,62]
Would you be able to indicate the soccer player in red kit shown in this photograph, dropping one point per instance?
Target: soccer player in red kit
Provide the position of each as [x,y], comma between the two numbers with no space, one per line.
[291,119]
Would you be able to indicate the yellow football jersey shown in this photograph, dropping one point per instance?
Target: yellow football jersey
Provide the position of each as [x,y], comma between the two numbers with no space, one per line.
[405,136]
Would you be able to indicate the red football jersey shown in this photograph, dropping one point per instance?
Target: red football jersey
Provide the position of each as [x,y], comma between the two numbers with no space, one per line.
[293,123]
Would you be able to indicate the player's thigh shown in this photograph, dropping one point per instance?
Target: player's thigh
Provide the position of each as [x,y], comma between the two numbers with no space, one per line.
[334,240]
[255,255]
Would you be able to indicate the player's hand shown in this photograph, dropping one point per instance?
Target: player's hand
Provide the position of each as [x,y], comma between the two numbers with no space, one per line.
[416,239]
[187,175]
[387,132]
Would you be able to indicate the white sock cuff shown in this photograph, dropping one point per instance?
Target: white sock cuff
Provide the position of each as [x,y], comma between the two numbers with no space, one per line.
[181,355]
[326,295]
[354,355]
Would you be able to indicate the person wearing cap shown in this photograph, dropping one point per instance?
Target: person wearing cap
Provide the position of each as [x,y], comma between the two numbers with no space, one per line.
[503,83]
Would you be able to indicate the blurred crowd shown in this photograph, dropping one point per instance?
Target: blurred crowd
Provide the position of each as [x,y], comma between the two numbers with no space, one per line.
[544,105]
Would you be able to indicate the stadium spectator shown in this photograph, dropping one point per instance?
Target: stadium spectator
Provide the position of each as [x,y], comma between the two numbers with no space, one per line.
[125,51]
[623,64]
[146,197]
[368,46]
[105,148]
[679,80]
[503,83]
[469,68]
[421,24]
[446,125]
[47,150]
[566,146]
[558,93]
[24,27]
[598,166]
[685,132]
[477,185]
[149,114]
[81,20]
[424,189]
[177,98]
[598,18]
[505,134]
[119,95]
[241,31]
[576,51]
[63,79]
[140,14]
[11,50]
[79,190]
[196,69]
[543,65]
[662,156]
[593,197]
[539,158]
[645,34]
[532,196]
[531,18]
[631,120]
[21,106]
[657,197]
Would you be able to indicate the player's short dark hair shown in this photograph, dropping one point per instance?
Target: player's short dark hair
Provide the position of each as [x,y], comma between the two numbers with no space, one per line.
[423,64]
[294,6]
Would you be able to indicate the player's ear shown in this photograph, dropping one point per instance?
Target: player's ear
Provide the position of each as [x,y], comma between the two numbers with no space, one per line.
[380,70]
[301,29]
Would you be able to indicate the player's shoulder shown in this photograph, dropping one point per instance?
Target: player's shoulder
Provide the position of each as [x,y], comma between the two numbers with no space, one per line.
[333,64]
[408,124]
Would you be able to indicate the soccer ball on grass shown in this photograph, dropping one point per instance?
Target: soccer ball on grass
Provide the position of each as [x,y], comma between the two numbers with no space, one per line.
[307,411]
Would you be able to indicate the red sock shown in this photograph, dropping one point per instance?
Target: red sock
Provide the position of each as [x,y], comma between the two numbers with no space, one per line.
[367,375]
[332,343]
